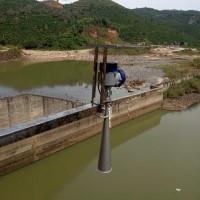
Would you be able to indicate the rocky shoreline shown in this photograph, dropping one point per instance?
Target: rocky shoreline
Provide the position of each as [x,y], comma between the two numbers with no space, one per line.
[180,103]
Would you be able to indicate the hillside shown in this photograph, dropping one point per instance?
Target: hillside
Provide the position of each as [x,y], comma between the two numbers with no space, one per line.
[51,25]
[186,22]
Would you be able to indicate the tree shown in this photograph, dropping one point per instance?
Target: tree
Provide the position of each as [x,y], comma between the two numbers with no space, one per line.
[30,43]
[2,41]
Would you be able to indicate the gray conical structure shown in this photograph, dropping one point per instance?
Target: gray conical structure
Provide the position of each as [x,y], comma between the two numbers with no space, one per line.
[104,164]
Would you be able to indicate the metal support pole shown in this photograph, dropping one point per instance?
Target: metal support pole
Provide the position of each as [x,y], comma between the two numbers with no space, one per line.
[96,51]
[104,164]
[102,97]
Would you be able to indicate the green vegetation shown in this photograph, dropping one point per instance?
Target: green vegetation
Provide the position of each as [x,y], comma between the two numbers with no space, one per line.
[195,63]
[11,54]
[176,70]
[185,87]
[180,70]
[2,42]
[2,47]
[34,25]
[184,24]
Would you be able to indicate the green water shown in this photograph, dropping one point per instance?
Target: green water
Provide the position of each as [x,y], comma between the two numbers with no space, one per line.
[67,80]
[25,75]
[152,156]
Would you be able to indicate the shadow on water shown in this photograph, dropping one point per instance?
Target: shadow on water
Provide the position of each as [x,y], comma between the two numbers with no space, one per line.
[24,76]
[133,128]
[48,176]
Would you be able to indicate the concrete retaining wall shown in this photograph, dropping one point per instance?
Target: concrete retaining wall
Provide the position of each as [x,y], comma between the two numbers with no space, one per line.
[131,107]
[66,128]
[23,108]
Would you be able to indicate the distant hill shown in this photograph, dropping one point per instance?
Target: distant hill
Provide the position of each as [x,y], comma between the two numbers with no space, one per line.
[51,25]
[186,22]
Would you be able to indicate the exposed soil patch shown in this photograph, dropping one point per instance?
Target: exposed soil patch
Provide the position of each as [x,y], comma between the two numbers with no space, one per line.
[47,56]
[94,34]
[113,33]
[53,4]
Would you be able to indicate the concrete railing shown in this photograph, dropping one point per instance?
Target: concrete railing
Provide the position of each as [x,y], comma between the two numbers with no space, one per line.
[24,108]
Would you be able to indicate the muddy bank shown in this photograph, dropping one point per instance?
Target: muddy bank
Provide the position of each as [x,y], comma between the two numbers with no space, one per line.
[180,103]
[10,54]
[48,56]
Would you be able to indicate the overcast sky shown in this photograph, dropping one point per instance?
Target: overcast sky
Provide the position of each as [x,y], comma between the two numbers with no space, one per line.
[157,4]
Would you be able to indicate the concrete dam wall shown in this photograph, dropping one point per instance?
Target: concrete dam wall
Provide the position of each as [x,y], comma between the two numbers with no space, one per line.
[24,144]
[24,108]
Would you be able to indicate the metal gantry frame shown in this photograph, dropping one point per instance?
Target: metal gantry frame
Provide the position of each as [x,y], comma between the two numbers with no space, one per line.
[95,68]
[95,72]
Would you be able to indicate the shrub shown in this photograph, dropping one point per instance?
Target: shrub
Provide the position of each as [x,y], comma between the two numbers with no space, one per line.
[176,70]
[185,87]
[196,63]
[30,44]
[13,53]
[2,42]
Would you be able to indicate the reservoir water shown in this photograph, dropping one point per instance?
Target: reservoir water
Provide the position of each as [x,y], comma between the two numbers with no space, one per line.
[71,80]
[154,157]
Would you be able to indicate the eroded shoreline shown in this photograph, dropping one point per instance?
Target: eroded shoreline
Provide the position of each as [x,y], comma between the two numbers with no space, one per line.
[180,103]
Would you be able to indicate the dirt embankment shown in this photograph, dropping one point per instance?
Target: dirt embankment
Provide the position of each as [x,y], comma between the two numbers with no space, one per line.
[181,103]
[47,56]
[10,54]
